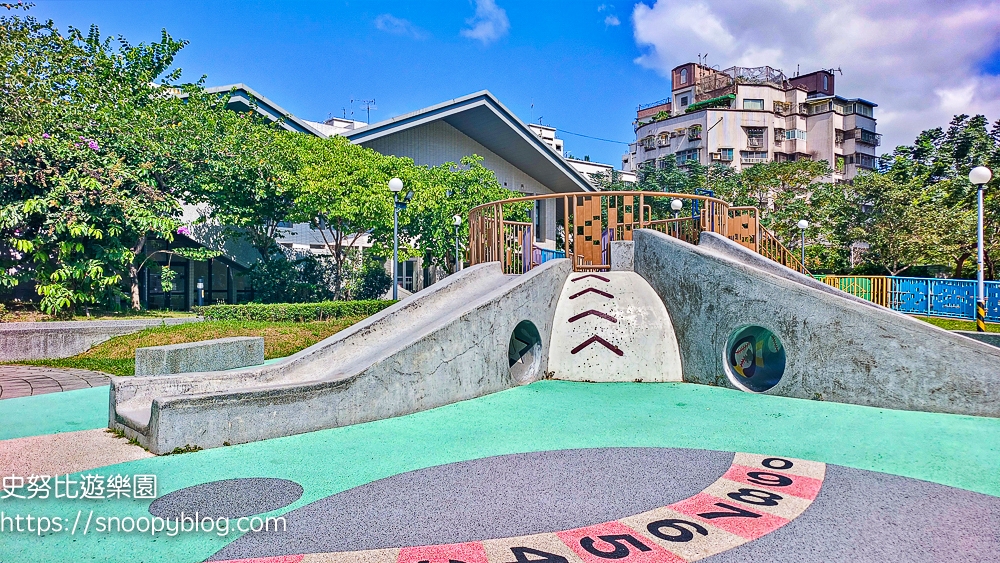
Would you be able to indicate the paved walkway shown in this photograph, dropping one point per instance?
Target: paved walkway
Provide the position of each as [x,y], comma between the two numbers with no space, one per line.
[542,465]
[22,381]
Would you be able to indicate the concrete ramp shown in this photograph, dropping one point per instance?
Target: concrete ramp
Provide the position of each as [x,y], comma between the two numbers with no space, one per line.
[447,343]
[611,326]
[744,322]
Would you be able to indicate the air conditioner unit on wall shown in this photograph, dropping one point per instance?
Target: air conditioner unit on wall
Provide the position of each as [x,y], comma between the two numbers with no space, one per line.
[714,156]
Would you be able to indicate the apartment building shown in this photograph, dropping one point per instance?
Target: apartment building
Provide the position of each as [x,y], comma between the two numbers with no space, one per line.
[743,116]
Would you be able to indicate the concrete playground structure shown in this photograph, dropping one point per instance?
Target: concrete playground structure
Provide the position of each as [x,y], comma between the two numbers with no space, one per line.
[637,301]
[837,347]
[448,343]
[207,355]
[62,339]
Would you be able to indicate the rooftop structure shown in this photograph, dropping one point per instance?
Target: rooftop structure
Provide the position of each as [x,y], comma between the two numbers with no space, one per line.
[742,116]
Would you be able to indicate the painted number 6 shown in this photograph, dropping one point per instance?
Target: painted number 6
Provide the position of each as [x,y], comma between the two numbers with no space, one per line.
[683,534]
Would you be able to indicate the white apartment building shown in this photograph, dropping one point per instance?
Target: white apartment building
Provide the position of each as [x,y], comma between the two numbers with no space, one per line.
[743,116]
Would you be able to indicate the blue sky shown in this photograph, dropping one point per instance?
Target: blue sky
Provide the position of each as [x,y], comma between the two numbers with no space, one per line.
[581,66]
[312,58]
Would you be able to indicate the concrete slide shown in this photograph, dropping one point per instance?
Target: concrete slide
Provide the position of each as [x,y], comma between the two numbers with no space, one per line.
[741,320]
[611,326]
[713,313]
[447,343]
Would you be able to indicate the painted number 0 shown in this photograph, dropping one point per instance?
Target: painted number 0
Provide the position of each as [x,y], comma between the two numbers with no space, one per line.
[618,541]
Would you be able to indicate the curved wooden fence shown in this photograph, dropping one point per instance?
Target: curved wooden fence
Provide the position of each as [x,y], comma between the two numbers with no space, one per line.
[523,232]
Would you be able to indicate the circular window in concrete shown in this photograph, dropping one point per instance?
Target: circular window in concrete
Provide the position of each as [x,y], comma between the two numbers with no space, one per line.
[755,358]
[525,352]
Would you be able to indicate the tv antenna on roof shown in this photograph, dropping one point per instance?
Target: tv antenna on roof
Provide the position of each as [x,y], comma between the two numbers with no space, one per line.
[368,105]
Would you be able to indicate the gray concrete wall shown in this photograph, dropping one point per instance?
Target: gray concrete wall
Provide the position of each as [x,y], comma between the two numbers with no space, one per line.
[445,344]
[837,349]
[53,340]
[206,355]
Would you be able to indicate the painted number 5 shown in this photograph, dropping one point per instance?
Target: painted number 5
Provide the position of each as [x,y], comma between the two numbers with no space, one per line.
[620,550]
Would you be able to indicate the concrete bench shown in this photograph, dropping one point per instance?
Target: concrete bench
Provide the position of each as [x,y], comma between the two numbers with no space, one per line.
[206,355]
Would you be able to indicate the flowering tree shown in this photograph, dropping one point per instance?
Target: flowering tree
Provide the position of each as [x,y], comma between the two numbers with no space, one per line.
[94,158]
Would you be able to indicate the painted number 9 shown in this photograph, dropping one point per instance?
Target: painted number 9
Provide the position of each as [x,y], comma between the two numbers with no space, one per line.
[768,479]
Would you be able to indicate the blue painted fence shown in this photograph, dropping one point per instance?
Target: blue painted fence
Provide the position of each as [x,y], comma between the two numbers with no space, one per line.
[942,298]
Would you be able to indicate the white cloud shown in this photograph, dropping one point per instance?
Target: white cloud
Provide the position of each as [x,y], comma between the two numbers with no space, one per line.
[489,24]
[398,26]
[920,60]
[612,18]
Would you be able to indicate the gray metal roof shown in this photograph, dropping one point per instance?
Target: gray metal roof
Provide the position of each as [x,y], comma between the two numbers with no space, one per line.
[483,118]
[245,98]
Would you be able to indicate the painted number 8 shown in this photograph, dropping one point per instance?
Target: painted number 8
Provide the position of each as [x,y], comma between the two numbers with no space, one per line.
[756,496]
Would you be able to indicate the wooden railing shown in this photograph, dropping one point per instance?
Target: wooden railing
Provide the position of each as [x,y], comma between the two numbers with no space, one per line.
[586,223]
[745,228]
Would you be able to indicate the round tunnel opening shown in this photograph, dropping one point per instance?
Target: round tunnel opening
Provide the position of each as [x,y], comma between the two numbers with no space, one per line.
[754,358]
[525,352]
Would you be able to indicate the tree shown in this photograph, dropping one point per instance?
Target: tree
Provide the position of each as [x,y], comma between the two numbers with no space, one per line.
[448,190]
[84,187]
[344,194]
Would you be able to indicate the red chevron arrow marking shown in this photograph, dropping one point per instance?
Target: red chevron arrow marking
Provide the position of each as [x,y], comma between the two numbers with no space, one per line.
[600,340]
[604,316]
[592,290]
[602,278]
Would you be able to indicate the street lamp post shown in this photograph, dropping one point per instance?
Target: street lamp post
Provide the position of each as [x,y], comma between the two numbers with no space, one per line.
[675,206]
[803,225]
[457,221]
[395,186]
[979,177]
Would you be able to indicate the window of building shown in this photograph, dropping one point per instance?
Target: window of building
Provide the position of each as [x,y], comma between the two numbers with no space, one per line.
[726,155]
[753,104]
[684,100]
[753,157]
[840,164]
[826,83]
[862,109]
[684,79]
[755,136]
[694,132]
[792,134]
[684,157]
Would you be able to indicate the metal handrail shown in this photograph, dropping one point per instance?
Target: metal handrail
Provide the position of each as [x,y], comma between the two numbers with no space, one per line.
[591,220]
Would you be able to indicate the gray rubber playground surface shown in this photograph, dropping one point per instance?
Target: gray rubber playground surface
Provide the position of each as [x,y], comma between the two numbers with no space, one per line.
[858,515]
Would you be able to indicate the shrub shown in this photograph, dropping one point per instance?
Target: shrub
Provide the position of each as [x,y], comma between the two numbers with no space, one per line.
[371,281]
[290,278]
[292,312]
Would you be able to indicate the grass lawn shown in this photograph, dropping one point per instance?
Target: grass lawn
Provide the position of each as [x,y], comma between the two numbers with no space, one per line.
[957,324]
[117,356]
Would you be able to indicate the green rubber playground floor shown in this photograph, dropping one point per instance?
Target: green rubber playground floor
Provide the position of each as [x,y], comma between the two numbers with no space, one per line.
[960,451]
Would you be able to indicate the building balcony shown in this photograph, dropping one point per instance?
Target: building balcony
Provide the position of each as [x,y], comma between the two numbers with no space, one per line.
[867,137]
